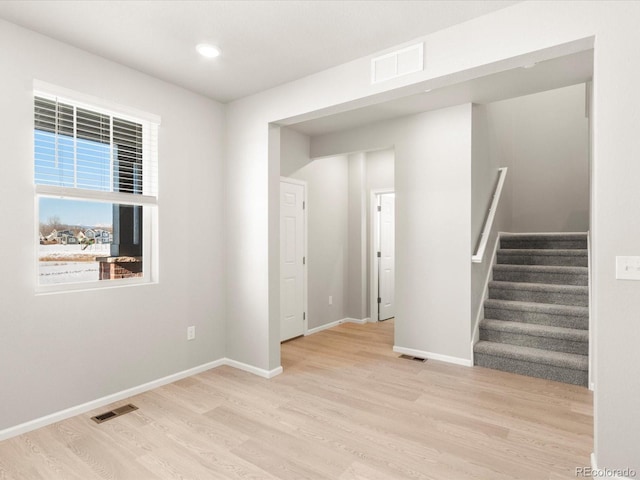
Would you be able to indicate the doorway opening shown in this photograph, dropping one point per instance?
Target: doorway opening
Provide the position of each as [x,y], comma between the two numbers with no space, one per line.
[433,163]
[335,266]
[382,256]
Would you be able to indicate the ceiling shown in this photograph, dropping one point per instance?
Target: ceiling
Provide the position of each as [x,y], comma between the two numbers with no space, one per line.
[548,75]
[263,43]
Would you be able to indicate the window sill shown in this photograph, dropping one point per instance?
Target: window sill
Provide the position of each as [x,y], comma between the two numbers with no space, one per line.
[92,286]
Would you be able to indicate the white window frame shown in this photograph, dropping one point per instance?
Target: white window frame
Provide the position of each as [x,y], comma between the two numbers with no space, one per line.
[148,200]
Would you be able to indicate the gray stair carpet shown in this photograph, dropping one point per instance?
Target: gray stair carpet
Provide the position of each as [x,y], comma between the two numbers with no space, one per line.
[567,316]
[562,241]
[540,293]
[536,318]
[541,274]
[562,257]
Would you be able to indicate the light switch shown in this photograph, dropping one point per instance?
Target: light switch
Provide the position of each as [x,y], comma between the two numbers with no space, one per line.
[628,268]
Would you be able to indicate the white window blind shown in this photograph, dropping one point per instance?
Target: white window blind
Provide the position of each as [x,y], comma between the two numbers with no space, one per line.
[79,147]
[96,189]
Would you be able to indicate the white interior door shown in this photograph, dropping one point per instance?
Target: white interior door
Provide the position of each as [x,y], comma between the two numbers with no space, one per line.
[386,270]
[292,261]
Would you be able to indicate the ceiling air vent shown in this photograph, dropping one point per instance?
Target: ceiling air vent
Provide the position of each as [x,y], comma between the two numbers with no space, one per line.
[395,64]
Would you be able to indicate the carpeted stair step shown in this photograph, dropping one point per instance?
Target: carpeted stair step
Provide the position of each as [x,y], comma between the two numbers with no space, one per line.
[543,241]
[566,316]
[542,274]
[540,293]
[559,257]
[558,366]
[544,337]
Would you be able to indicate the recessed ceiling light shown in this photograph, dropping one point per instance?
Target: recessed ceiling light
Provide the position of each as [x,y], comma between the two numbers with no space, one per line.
[427,90]
[529,65]
[208,51]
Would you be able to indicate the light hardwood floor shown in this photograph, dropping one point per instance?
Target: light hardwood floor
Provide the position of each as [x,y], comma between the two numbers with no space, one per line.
[346,407]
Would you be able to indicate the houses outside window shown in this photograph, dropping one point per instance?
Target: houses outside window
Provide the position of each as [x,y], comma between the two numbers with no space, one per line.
[95,175]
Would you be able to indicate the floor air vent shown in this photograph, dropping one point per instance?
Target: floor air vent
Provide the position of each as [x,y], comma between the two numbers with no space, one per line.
[103,417]
[416,359]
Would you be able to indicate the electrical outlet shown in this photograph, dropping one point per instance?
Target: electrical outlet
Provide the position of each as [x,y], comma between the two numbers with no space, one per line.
[330,300]
[191,333]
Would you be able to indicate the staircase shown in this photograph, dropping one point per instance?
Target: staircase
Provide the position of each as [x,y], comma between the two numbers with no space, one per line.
[536,318]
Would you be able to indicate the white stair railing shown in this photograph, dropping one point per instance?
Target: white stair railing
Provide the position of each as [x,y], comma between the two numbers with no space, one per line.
[488,224]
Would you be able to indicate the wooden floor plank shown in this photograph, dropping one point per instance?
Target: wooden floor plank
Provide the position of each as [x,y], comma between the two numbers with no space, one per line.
[346,407]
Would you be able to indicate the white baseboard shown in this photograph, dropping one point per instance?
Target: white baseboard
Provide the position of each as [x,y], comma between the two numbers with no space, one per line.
[251,369]
[311,331]
[360,321]
[130,392]
[432,356]
[610,472]
[101,402]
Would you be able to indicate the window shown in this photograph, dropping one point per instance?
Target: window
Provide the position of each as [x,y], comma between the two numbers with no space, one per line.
[96,197]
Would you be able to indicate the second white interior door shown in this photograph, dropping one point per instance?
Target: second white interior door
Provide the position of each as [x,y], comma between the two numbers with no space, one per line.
[292,284]
[386,269]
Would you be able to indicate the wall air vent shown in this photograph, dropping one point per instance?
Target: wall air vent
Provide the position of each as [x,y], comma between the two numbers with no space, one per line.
[103,417]
[396,64]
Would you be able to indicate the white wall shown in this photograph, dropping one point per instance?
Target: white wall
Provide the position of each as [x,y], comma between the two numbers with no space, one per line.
[484,173]
[327,216]
[543,138]
[433,223]
[433,217]
[380,169]
[524,33]
[294,151]
[357,238]
[61,350]
[484,176]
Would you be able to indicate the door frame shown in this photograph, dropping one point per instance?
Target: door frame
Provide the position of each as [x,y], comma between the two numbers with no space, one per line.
[373,258]
[305,282]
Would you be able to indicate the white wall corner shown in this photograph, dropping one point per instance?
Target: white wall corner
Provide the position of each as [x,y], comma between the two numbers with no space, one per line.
[251,369]
[326,326]
[433,356]
[360,321]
